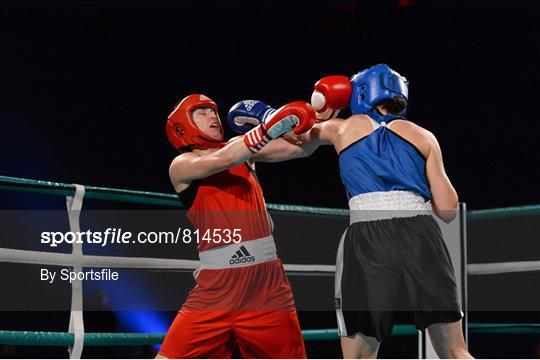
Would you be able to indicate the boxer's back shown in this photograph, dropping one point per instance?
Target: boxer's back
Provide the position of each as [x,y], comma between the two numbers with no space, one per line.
[382,157]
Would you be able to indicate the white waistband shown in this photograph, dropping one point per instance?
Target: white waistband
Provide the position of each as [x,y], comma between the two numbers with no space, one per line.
[237,255]
[387,205]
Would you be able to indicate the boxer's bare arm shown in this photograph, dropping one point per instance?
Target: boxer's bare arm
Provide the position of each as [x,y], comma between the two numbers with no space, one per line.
[293,146]
[323,133]
[444,196]
[190,166]
[286,148]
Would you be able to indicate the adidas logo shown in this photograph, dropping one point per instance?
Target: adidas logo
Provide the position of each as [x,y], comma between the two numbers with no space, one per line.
[241,256]
[248,104]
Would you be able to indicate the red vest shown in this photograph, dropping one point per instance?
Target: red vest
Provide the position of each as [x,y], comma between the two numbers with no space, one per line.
[229,200]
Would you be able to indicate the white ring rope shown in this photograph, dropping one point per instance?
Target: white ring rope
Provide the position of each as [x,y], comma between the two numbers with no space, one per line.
[60,259]
[310,268]
[503,267]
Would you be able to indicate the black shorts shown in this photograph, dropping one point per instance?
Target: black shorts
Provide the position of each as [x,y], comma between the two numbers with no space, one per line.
[379,263]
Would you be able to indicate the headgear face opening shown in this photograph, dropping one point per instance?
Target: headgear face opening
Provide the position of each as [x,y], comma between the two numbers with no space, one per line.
[182,130]
[373,85]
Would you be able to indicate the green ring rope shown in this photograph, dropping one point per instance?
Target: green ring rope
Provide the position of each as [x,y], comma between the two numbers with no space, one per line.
[155,198]
[42,338]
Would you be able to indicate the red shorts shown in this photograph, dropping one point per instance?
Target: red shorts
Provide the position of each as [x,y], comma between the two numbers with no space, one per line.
[251,307]
[214,334]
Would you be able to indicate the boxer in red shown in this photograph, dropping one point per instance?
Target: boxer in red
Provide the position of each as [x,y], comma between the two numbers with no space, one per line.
[242,296]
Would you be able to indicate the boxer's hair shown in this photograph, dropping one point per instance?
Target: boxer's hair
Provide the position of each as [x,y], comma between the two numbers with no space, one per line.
[394,105]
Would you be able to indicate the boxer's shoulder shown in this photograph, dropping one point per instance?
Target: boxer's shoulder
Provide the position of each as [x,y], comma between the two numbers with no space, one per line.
[420,137]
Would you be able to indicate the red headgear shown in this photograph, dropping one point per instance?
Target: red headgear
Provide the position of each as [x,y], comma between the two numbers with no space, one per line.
[182,130]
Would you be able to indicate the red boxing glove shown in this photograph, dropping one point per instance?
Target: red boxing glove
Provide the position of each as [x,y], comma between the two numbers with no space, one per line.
[298,116]
[305,113]
[332,93]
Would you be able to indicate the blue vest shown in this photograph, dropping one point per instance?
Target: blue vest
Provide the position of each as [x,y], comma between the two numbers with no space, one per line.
[383,161]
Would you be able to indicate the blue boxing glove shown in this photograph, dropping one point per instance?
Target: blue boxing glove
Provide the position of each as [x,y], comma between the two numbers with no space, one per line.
[246,114]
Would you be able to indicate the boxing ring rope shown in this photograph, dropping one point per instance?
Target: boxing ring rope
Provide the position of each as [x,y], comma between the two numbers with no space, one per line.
[155,198]
[60,259]
[76,338]
[47,338]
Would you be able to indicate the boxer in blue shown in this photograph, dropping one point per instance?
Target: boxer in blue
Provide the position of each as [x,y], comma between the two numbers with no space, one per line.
[394,175]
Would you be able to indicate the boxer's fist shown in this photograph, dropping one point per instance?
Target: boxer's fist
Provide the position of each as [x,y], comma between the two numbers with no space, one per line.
[332,93]
[246,114]
[298,116]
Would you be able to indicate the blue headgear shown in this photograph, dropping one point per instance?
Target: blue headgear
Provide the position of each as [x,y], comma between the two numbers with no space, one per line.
[373,85]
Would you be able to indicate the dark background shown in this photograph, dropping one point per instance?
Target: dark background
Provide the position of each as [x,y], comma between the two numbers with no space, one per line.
[86,87]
